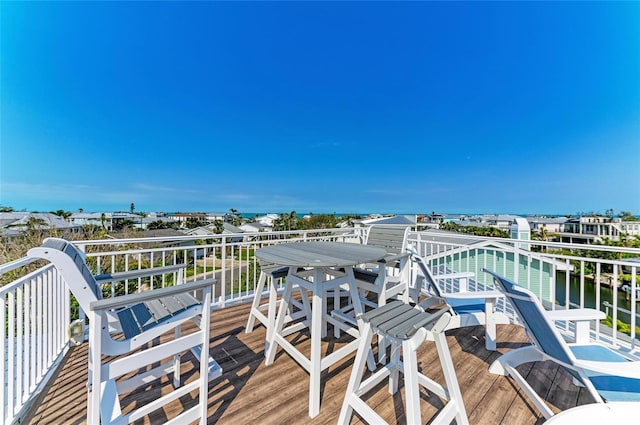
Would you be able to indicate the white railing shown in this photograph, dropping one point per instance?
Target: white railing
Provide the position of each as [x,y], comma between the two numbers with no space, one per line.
[37,308]
[229,258]
[34,337]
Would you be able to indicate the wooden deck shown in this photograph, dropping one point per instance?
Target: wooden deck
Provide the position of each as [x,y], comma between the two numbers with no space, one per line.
[249,392]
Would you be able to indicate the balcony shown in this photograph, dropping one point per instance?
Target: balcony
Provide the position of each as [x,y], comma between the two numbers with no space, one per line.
[44,374]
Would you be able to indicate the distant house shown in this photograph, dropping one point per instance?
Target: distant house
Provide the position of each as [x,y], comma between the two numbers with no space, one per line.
[255,227]
[596,228]
[209,230]
[407,220]
[200,231]
[550,224]
[15,223]
[499,221]
[454,251]
[267,219]
[182,218]
[93,219]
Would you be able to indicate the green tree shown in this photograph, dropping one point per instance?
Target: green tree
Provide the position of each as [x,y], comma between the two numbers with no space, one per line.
[62,213]
[627,216]
[132,207]
[193,222]
[218,227]
[233,217]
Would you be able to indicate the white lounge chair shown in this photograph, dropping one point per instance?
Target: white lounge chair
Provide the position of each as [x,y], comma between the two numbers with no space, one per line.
[605,373]
[136,320]
[469,308]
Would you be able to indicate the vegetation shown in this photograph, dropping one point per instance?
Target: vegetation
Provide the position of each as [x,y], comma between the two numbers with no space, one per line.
[620,326]
[625,241]
[159,224]
[493,232]
[291,221]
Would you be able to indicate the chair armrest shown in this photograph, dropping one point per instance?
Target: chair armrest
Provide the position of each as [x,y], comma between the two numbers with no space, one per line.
[582,318]
[125,300]
[575,314]
[630,369]
[475,294]
[394,257]
[134,274]
[455,275]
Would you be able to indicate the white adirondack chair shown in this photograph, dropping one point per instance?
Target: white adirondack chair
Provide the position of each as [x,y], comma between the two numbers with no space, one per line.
[136,320]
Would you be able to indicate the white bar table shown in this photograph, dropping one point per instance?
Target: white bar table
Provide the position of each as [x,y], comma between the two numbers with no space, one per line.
[618,413]
[331,264]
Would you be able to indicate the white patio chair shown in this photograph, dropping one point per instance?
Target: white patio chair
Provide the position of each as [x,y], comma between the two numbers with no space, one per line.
[389,277]
[135,320]
[469,308]
[608,376]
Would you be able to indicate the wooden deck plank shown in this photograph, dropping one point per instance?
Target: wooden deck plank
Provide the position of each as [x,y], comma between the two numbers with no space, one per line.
[250,392]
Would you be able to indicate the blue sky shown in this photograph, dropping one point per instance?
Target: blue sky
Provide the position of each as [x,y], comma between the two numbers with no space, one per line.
[409,107]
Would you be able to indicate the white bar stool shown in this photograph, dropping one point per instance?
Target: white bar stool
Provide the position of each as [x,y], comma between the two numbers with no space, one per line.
[265,312]
[406,328]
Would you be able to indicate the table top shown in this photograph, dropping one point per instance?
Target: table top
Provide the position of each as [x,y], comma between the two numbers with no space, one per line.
[320,254]
[598,413]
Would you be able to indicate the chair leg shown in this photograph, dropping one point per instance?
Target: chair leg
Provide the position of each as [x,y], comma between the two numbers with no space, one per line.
[455,396]
[284,305]
[255,305]
[490,327]
[411,383]
[382,344]
[394,376]
[356,375]
[204,355]
[176,363]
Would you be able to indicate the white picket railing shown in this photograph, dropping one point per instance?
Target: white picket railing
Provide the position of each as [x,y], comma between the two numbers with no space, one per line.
[37,308]
[34,337]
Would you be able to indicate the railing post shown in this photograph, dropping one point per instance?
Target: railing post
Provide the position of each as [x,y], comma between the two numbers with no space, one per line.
[3,358]
[223,270]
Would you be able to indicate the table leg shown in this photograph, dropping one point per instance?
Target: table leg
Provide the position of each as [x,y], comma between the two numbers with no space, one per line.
[271,314]
[317,308]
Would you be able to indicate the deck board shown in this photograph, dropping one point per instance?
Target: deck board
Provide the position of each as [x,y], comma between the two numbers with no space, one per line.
[250,392]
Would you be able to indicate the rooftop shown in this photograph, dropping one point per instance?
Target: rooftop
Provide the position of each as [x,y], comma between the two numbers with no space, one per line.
[250,392]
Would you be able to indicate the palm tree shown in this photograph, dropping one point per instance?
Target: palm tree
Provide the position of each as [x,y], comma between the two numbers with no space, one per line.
[292,220]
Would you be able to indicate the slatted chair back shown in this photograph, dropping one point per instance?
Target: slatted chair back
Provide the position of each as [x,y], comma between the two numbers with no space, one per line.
[432,286]
[391,238]
[131,320]
[71,261]
[543,334]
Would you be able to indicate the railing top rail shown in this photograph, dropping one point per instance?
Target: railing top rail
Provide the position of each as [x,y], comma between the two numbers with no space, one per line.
[462,239]
[15,264]
[96,242]
[18,282]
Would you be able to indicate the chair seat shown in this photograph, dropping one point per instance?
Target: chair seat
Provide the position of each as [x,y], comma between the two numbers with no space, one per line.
[144,316]
[466,305]
[365,275]
[611,388]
